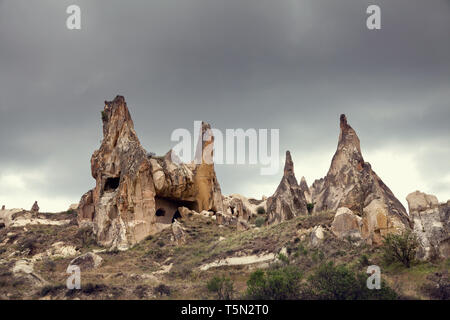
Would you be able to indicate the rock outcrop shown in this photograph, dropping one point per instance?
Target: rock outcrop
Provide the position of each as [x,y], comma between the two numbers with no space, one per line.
[138,194]
[346,224]
[305,189]
[35,208]
[288,201]
[431,224]
[351,182]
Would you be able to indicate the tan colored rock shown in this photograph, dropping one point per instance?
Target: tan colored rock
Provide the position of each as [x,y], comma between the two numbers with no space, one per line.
[351,182]
[138,194]
[288,201]
[419,201]
[317,236]
[179,234]
[305,189]
[377,222]
[346,224]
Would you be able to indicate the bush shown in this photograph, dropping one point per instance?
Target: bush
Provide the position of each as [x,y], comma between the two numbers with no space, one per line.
[260,210]
[310,207]
[259,222]
[222,286]
[330,282]
[162,289]
[278,284]
[400,247]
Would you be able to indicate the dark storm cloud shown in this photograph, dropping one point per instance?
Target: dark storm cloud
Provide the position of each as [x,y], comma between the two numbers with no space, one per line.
[293,65]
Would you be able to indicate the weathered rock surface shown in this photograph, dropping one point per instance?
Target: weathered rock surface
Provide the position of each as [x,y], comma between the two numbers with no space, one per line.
[431,224]
[87,261]
[179,234]
[136,193]
[288,201]
[15,218]
[35,207]
[351,182]
[305,189]
[346,224]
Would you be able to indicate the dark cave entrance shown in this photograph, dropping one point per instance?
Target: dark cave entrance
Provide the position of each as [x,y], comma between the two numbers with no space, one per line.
[112,183]
[177,215]
[167,209]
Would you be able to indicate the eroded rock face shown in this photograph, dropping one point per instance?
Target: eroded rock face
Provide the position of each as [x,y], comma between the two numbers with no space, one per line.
[138,194]
[346,224]
[431,224]
[351,182]
[305,189]
[35,208]
[288,200]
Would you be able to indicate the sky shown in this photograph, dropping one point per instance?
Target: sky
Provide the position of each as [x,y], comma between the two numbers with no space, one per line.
[292,65]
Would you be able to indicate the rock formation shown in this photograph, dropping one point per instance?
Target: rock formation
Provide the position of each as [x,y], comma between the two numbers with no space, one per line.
[346,224]
[288,200]
[35,208]
[136,193]
[305,189]
[431,224]
[351,182]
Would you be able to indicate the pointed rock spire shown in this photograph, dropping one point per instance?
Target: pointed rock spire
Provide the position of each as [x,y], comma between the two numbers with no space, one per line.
[351,182]
[288,200]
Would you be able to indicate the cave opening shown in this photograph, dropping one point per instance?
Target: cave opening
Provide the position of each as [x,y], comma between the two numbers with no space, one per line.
[160,212]
[112,183]
[177,215]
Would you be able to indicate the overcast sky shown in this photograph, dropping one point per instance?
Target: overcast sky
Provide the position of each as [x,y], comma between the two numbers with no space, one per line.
[293,65]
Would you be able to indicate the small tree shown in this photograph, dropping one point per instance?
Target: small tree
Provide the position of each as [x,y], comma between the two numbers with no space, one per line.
[310,207]
[400,247]
[222,286]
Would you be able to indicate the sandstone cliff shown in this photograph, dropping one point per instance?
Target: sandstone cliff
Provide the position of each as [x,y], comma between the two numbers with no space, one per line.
[288,200]
[137,194]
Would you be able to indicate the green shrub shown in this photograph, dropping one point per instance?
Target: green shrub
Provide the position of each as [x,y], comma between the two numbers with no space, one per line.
[222,286]
[260,210]
[278,284]
[310,207]
[330,282]
[259,222]
[400,247]
[162,289]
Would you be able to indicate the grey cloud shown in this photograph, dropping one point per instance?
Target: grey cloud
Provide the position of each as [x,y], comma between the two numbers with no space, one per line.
[292,65]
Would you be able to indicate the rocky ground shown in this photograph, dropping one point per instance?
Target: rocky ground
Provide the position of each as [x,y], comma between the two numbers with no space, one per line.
[34,259]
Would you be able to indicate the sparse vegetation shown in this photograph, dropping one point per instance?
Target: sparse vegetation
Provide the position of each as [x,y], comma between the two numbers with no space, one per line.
[162,290]
[400,247]
[310,207]
[259,222]
[222,286]
[278,284]
[86,237]
[331,282]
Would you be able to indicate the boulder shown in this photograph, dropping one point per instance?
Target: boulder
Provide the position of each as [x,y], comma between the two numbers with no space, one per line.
[346,224]
[87,261]
[351,182]
[138,194]
[288,201]
[419,201]
[317,236]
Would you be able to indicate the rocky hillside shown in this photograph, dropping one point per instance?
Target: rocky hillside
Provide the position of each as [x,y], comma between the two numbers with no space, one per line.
[156,228]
